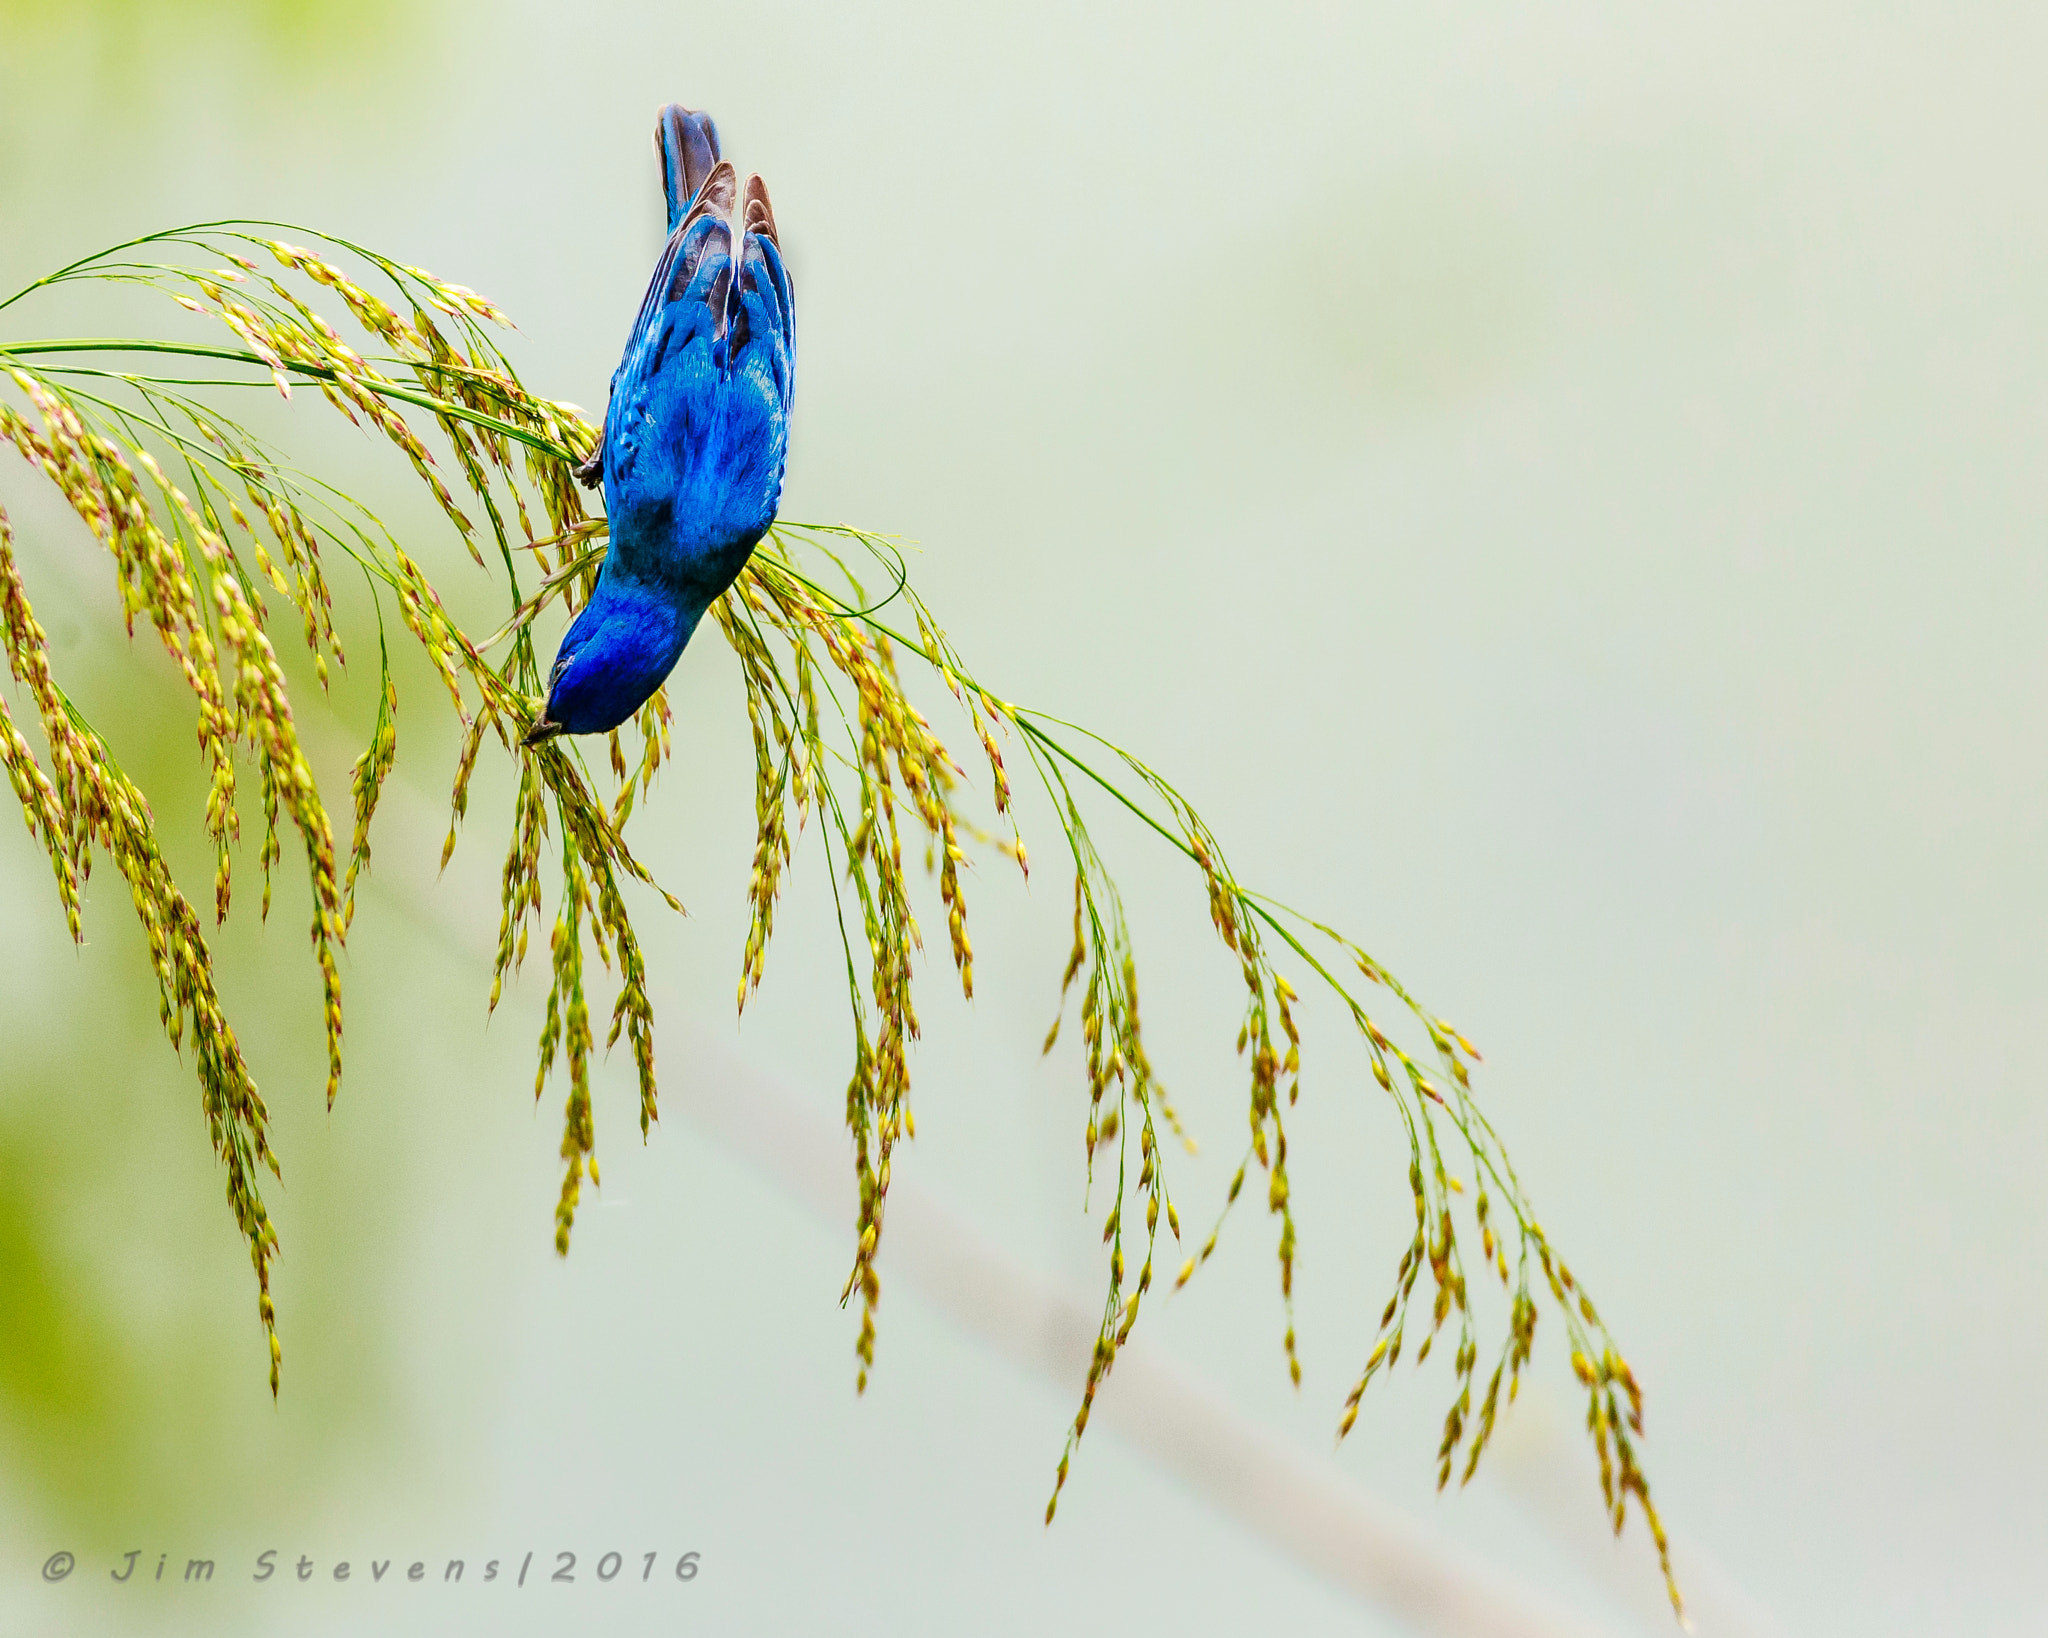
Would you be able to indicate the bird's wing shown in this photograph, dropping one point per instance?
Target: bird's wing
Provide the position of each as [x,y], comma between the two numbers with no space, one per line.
[725,404]
[764,302]
[752,445]
[669,376]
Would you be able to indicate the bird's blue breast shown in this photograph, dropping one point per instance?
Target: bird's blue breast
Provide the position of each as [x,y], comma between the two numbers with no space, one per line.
[618,651]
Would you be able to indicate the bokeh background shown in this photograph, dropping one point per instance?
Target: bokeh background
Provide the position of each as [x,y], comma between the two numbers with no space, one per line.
[1559,486]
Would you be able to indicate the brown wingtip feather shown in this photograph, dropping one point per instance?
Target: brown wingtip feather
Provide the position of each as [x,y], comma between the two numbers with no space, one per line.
[760,214]
[716,196]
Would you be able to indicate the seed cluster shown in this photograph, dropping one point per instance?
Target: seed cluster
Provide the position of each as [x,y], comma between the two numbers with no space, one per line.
[160,478]
[204,522]
[894,770]
[1424,1097]
[593,857]
[173,565]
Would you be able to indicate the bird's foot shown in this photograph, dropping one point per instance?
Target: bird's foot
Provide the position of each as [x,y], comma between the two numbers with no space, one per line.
[540,733]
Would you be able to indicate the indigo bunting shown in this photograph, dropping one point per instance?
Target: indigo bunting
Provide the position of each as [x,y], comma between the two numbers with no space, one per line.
[695,437]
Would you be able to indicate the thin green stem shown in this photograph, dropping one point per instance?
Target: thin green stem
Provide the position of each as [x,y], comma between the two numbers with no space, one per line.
[317,372]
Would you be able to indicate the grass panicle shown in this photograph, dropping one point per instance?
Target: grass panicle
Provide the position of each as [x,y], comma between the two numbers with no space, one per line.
[211,531]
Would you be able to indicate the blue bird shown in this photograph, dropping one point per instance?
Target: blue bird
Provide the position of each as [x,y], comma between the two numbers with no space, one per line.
[695,437]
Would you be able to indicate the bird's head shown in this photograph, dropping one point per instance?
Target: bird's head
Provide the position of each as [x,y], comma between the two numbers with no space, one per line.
[620,649]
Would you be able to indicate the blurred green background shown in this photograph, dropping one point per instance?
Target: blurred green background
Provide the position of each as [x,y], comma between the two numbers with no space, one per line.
[1561,489]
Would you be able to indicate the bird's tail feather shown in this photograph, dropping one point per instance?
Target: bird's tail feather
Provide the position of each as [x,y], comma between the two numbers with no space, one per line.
[687,142]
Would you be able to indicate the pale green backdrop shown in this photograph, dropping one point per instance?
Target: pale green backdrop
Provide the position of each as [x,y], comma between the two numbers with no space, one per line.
[1560,486]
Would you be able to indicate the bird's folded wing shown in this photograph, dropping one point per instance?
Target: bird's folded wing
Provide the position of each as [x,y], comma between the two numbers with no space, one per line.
[686,297]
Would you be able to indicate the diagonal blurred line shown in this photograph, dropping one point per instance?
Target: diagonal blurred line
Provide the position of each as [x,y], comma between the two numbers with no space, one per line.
[1304,1510]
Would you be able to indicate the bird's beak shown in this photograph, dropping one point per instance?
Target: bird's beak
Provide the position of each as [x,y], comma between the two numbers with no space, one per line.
[540,733]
